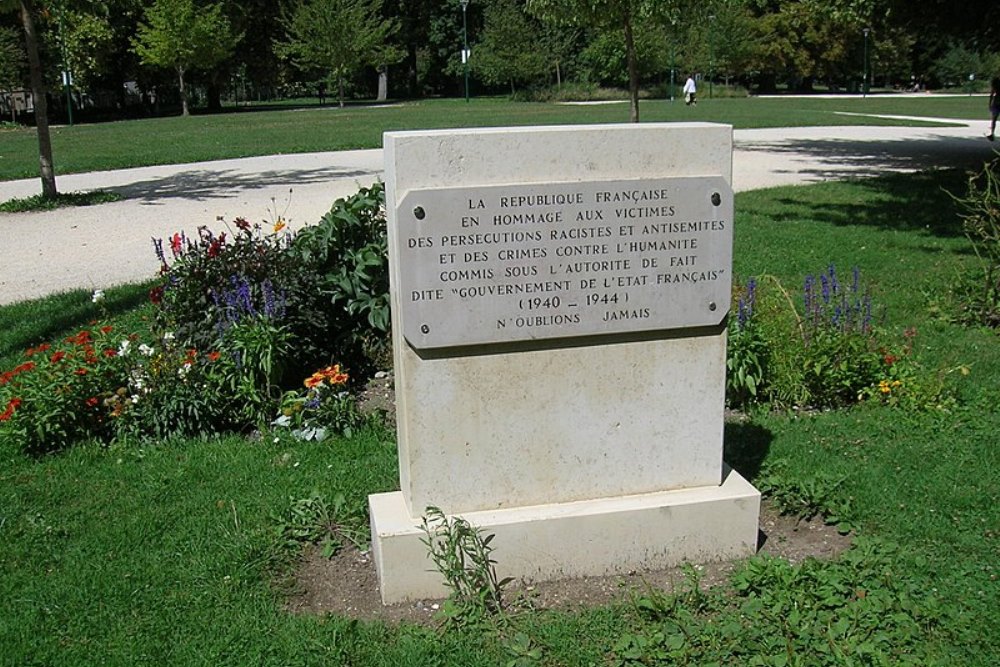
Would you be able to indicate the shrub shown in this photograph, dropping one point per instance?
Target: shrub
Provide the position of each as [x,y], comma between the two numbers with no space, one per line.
[828,354]
[980,213]
[169,392]
[348,255]
[64,392]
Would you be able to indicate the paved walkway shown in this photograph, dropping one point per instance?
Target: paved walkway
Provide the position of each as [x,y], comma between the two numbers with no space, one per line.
[101,246]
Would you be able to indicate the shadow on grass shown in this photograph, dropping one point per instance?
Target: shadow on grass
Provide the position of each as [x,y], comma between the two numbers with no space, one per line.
[29,323]
[921,202]
[745,446]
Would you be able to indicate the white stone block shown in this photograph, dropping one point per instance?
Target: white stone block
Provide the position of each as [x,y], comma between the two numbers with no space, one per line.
[583,538]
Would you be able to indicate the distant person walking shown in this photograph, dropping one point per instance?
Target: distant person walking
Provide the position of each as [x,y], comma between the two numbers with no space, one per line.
[994,106]
[690,93]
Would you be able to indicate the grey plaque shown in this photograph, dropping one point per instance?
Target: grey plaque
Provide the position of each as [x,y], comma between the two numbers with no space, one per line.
[498,264]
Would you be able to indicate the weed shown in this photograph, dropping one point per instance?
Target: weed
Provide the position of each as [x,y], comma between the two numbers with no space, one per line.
[461,553]
[806,497]
[329,525]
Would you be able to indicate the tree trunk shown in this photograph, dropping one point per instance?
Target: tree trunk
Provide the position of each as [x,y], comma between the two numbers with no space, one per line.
[215,95]
[383,83]
[633,69]
[340,86]
[41,104]
[184,96]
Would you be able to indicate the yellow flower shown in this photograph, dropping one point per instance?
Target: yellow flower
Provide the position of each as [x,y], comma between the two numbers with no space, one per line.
[896,383]
[279,225]
[883,387]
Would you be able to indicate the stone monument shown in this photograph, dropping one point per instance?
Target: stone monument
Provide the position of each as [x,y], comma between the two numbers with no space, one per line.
[559,297]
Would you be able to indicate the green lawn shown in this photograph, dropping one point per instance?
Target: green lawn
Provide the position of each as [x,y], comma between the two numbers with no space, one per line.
[248,132]
[166,554]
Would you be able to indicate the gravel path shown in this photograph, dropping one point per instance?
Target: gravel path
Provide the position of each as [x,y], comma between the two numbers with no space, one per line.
[105,245]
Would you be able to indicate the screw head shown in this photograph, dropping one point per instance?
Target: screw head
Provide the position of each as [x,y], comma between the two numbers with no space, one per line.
[419,213]
[712,306]
[716,199]
[424,329]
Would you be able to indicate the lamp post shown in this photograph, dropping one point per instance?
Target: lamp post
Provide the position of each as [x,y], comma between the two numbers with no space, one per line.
[864,84]
[711,53]
[67,77]
[465,47]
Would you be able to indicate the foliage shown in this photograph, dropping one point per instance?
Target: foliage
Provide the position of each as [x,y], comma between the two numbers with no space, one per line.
[171,391]
[336,37]
[323,408]
[182,35]
[863,607]
[806,497]
[746,356]
[252,354]
[64,392]
[510,49]
[347,252]
[831,354]
[980,213]
[215,281]
[13,63]
[462,554]
[327,524]
[42,203]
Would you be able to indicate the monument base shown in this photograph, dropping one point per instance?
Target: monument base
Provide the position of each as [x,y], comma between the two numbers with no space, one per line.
[576,539]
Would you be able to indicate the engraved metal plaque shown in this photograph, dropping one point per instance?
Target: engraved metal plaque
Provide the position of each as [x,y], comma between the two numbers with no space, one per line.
[498,264]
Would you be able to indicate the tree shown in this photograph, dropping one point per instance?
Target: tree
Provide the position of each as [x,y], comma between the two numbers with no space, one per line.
[509,49]
[622,15]
[181,35]
[339,36]
[27,11]
[12,64]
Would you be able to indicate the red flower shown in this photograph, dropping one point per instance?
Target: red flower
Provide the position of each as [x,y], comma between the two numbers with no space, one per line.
[12,404]
[242,224]
[32,351]
[80,371]
[889,359]
[107,329]
[175,243]
[6,377]
[192,354]
[156,295]
[57,357]
[108,352]
[25,367]
[213,356]
[92,402]
[81,338]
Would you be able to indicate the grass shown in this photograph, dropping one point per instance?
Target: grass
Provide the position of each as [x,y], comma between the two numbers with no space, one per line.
[62,199]
[166,554]
[250,132]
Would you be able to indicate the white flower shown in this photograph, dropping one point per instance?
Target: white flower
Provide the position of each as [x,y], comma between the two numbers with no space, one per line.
[183,370]
[146,350]
[135,399]
[168,337]
[98,296]
[123,348]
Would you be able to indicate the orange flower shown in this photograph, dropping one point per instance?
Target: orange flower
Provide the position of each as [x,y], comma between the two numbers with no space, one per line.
[213,356]
[279,225]
[313,380]
[333,374]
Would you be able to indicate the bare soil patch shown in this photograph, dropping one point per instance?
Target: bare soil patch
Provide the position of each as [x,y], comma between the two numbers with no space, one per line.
[346,585]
